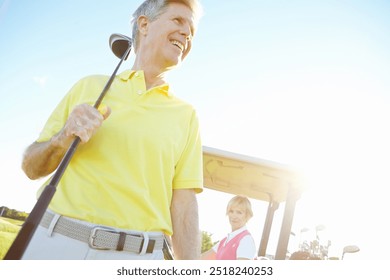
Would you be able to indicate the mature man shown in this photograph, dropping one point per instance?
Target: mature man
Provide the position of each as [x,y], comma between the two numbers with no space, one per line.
[135,175]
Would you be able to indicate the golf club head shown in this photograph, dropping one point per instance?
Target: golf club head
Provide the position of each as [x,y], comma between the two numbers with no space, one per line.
[119,44]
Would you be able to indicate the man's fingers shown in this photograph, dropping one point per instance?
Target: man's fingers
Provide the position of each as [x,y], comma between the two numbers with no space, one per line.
[85,120]
[104,110]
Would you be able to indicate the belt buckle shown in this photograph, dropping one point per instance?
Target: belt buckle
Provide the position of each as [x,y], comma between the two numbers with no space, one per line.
[145,247]
[93,235]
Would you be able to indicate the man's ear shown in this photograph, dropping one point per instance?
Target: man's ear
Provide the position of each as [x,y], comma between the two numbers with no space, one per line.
[143,24]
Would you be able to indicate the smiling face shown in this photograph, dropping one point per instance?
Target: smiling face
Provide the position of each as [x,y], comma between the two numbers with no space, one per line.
[166,40]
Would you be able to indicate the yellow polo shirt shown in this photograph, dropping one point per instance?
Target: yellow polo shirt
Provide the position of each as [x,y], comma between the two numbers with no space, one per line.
[124,176]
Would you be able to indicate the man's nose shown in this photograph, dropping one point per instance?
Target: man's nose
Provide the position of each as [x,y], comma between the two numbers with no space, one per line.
[186,32]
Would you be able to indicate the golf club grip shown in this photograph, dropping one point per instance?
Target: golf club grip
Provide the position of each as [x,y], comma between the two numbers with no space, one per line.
[25,234]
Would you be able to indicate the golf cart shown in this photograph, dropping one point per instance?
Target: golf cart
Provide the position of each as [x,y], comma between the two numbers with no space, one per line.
[257,179]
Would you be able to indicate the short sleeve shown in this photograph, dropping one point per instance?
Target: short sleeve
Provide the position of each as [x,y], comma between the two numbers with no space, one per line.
[189,169]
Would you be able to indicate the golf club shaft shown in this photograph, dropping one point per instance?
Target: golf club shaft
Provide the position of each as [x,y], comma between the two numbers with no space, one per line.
[29,227]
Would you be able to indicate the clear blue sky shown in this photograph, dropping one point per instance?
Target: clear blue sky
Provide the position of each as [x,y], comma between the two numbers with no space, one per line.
[302,82]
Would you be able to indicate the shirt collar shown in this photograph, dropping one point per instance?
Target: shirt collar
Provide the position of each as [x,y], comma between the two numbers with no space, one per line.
[129,74]
[233,234]
[236,232]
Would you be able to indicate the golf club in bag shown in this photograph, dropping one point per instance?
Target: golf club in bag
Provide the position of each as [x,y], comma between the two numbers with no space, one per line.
[121,47]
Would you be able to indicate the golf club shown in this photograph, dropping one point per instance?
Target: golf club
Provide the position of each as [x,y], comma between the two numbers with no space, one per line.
[350,249]
[121,46]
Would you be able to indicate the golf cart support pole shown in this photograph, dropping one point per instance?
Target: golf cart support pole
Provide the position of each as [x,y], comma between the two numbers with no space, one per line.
[272,207]
[29,227]
[284,235]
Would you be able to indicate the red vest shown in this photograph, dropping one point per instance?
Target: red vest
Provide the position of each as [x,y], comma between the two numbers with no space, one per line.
[229,251]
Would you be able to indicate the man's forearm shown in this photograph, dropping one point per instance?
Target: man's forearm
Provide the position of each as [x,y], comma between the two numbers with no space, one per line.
[41,159]
[185,219]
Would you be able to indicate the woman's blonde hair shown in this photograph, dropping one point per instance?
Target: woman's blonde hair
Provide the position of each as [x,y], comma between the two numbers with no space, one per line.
[243,202]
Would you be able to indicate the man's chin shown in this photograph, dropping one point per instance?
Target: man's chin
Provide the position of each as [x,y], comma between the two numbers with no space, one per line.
[174,64]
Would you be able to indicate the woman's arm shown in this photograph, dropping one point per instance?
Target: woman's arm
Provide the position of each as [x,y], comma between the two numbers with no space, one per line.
[208,255]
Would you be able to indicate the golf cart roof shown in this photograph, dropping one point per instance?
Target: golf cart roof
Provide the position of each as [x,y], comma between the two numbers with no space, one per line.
[253,177]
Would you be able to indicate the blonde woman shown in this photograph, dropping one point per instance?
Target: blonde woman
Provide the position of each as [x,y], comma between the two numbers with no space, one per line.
[239,243]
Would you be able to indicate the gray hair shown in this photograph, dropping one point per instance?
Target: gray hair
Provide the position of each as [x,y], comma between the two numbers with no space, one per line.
[152,9]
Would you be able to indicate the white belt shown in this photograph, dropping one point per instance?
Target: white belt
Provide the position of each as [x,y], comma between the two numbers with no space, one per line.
[104,238]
